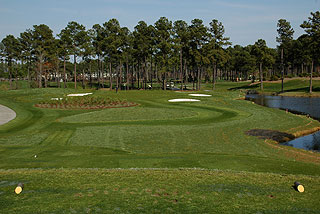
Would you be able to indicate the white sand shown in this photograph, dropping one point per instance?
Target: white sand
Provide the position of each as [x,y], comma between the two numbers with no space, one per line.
[78,95]
[55,98]
[183,100]
[6,114]
[200,95]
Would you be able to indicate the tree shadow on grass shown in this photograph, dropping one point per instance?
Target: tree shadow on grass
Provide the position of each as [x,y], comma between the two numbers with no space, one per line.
[280,137]
[304,89]
[245,87]
[257,86]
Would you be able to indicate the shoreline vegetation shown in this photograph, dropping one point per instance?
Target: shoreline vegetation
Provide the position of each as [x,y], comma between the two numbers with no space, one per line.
[272,88]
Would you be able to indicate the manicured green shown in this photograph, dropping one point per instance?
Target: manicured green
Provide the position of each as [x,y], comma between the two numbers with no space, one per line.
[209,135]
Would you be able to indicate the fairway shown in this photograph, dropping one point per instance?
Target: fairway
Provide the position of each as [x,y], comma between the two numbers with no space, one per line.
[180,157]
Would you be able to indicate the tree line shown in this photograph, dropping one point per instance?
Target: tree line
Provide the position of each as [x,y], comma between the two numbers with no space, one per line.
[111,56]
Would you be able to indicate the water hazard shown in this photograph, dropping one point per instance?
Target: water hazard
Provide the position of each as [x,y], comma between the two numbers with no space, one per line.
[301,105]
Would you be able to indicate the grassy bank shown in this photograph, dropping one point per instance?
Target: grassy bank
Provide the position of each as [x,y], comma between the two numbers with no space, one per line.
[292,87]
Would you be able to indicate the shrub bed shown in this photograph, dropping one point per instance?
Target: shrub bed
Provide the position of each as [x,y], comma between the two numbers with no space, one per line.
[85,102]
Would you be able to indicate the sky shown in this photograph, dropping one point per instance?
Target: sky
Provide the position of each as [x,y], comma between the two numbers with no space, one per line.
[245,21]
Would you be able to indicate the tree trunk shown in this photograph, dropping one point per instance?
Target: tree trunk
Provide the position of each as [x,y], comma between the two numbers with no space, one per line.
[102,73]
[45,79]
[151,71]
[10,75]
[75,71]
[58,73]
[164,81]
[214,76]
[29,80]
[146,74]
[40,72]
[138,75]
[83,85]
[143,75]
[64,72]
[198,79]
[119,76]
[146,70]
[110,75]
[181,69]
[16,79]
[310,88]
[56,78]
[90,73]
[127,65]
[261,76]
[156,71]
[282,71]
[132,76]
[185,74]
[99,72]
[193,79]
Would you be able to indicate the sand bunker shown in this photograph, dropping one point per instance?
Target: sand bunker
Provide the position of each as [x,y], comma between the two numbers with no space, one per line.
[183,100]
[200,95]
[78,95]
[6,114]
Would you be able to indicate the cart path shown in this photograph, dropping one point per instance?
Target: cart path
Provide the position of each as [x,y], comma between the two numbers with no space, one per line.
[6,114]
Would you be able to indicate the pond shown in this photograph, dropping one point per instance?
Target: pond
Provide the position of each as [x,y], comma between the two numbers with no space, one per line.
[300,105]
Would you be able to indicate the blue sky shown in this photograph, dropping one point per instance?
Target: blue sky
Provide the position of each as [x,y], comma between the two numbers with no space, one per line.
[245,21]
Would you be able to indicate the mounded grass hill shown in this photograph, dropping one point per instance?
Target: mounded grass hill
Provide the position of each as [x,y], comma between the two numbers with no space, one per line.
[174,157]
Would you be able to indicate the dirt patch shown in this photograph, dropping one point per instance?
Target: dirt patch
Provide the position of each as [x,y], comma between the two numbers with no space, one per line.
[277,136]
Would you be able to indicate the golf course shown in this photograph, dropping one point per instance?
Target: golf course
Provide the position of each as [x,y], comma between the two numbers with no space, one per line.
[139,153]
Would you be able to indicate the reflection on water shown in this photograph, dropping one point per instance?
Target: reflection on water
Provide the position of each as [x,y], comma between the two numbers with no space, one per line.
[302,105]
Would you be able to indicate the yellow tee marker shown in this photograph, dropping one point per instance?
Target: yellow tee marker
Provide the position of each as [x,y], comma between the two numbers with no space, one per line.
[19,188]
[298,187]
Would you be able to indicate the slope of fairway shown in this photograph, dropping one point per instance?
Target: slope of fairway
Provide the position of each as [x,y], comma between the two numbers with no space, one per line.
[130,114]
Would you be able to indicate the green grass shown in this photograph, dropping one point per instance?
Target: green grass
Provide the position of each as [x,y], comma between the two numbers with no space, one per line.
[156,134]
[156,191]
